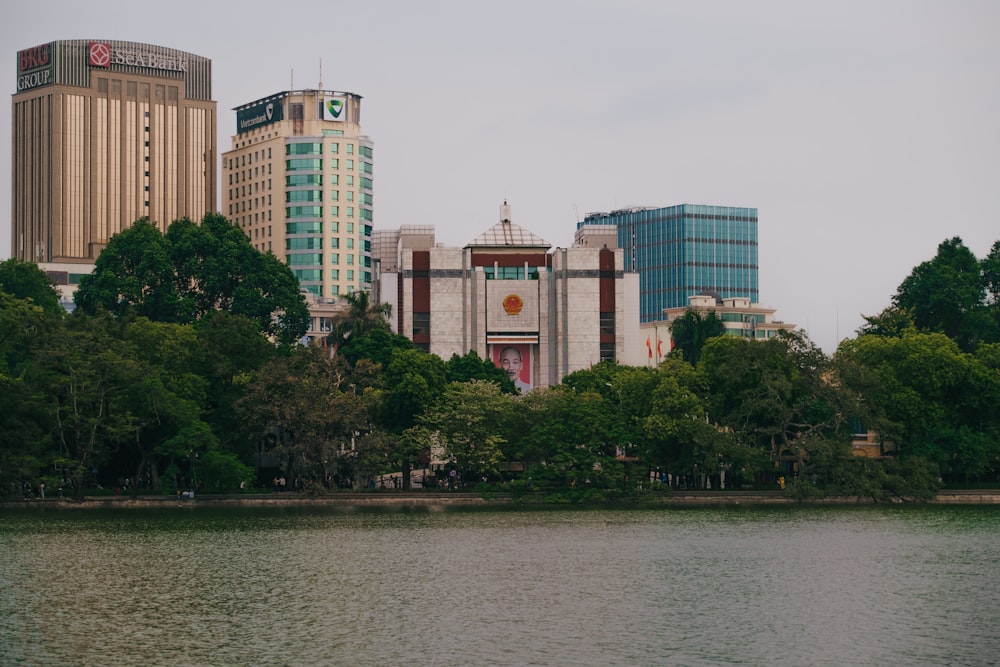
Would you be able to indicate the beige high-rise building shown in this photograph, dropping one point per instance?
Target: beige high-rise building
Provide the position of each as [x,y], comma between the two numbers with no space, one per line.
[298,181]
[106,132]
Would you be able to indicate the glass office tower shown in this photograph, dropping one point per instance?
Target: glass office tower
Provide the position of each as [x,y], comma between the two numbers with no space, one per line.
[681,251]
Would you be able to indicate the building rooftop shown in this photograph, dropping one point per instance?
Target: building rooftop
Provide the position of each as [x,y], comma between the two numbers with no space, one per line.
[505,234]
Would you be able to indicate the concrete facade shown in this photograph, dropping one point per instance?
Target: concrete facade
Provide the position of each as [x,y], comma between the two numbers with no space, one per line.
[298,181]
[106,132]
[512,298]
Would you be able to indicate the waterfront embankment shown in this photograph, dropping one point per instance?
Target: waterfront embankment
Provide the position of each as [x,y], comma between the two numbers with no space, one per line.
[403,499]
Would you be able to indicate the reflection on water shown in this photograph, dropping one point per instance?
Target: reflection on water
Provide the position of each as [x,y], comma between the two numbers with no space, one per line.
[770,586]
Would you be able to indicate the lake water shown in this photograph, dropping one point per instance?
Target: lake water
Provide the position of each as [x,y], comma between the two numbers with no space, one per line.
[868,585]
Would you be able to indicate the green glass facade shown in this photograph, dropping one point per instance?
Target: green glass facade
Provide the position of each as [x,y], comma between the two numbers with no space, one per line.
[680,251]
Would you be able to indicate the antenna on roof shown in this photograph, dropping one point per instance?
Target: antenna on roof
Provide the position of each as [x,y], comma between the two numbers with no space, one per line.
[505,212]
[321,74]
[291,79]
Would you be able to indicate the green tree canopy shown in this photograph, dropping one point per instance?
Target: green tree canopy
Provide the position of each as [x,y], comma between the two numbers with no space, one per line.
[691,330]
[361,317]
[948,294]
[25,280]
[191,271]
[471,366]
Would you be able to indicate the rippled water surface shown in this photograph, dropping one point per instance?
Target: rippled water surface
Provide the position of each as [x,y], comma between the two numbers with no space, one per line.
[775,586]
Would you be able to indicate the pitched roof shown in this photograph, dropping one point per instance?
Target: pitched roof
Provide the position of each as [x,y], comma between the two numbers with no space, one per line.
[505,234]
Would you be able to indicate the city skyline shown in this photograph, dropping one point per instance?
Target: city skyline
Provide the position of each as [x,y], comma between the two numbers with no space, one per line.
[862,134]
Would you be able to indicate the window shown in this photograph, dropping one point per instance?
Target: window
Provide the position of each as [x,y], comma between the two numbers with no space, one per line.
[421,324]
[303,211]
[304,228]
[306,259]
[335,242]
[334,148]
[304,164]
[309,243]
[350,149]
[304,149]
[607,351]
[314,275]
[608,323]
[294,180]
[335,195]
[303,195]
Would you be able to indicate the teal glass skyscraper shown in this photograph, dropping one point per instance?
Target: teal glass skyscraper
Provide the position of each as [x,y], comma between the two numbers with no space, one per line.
[681,251]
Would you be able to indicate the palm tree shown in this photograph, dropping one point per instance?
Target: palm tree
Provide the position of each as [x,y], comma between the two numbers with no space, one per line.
[361,317]
[691,330]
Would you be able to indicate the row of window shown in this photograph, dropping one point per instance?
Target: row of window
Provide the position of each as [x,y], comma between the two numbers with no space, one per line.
[316,276]
[316,181]
[511,272]
[316,243]
[317,212]
[313,148]
[250,174]
[316,259]
[242,160]
[317,195]
[316,164]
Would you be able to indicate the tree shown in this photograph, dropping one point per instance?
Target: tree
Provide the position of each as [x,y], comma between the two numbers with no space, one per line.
[24,328]
[83,379]
[25,280]
[307,398]
[228,351]
[473,367]
[935,402]
[891,322]
[470,419]
[362,317]
[133,276]
[947,294]
[691,330]
[780,397]
[191,271]
[414,381]
[678,436]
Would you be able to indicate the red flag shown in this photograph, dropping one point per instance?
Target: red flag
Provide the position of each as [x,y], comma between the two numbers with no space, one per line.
[659,347]
[649,346]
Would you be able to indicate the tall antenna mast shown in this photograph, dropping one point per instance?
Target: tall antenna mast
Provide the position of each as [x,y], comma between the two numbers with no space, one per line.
[321,74]
[291,79]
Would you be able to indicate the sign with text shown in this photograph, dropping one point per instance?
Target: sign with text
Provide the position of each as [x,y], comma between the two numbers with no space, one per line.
[258,115]
[34,67]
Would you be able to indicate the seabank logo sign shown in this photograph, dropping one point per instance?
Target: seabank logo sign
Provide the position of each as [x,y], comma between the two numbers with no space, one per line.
[333,108]
[101,54]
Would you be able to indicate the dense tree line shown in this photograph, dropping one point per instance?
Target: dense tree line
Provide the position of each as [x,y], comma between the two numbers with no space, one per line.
[179,368]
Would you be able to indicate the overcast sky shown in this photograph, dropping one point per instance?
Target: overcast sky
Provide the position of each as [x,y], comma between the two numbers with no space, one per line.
[864,132]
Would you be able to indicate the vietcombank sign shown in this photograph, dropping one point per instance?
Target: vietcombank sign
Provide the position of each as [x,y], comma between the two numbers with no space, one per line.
[258,115]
